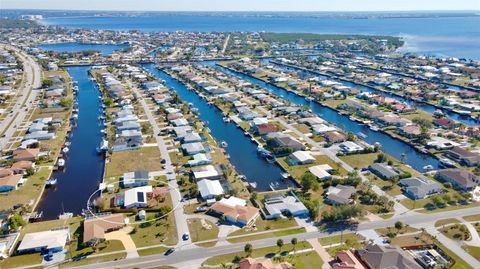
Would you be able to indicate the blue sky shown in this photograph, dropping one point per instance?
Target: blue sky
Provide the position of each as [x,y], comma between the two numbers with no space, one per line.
[244,5]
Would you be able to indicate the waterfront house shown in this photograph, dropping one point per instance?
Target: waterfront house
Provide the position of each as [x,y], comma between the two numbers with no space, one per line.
[349,147]
[11,182]
[278,139]
[300,157]
[193,148]
[46,241]
[419,187]
[179,122]
[199,159]
[322,128]
[135,179]
[191,138]
[410,131]
[277,204]
[460,179]
[96,227]
[375,256]
[441,143]
[28,154]
[236,214]
[339,194]
[263,129]
[322,171]
[39,135]
[383,171]
[206,172]
[464,156]
[445,123]
[21,167]
[209,188]
[137,197]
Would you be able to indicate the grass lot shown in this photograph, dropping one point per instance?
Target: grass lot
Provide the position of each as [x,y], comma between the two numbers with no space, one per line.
[29,191]
[443,222]
[152,251]
[22,260]
[447,208]
[472,218]
[265,225]
[266,235]
[474,251]
[303,128]
[385,185]
[325,241]
[406,229]
[130,160]
[94,260]
[456,232]
[299,261]
[200,233]
[359,160]
[297,171]
[162,231]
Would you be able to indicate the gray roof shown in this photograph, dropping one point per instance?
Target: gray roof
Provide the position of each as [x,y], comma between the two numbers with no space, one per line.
[340,194]
[420,186]
[387,257]
[383,170]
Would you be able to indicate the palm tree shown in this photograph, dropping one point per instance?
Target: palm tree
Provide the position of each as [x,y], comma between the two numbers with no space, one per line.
[280,244]
[294,243]
[248,249]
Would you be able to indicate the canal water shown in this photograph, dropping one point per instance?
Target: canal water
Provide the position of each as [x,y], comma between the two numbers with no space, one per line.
[83,166]
[104,49]
[242,151]
[419,105]
[394,147]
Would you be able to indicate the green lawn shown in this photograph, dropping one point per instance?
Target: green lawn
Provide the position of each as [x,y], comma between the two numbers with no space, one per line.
[326,241]
[297,171]
[456,232]
[265,225]
[106,258]
[472,218]
[445,222]
[474,251]
[161,231]
[404,230]
[266,235]
[359,160]
[22,260]
[200,233]
[152,251]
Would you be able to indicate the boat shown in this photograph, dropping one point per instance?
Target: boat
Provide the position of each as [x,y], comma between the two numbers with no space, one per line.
[447,163]
[226,119]
[246,133]
[60,162]
[439,113]
[374,128]
[103,146]
[65,215]
[362,135]
[310,99]
[51,182]
[428,167]
[65,150]
[68,143]
[223,144]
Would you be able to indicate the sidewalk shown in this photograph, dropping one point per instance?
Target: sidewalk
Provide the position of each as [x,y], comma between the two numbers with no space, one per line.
[326,258]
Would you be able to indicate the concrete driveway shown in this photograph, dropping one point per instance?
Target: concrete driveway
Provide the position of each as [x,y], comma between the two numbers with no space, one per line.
[124,236]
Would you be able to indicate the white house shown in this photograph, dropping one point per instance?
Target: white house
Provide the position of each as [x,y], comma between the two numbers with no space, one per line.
[53,240]
[137,197]
[210,188]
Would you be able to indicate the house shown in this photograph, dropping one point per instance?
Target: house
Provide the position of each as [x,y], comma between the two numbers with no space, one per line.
[97,227]
[191,138]
[135,179]
[266,128]
[445,123]
[300,157]
[340,194]
[347,260]
[206,172]
[285,141]
[193,148]
[383,171]
[237,214]
[322,128]
[46,241]
[464,156]
[28,154]
[11,182]
[419,187]
[276,205]
[209,188]
[21,167]
[349,147]
[441,143]
[250,263]
[137,197]
[334,136]
[461,179]
[410,131]
[199,159]
[386,257]
[321,171]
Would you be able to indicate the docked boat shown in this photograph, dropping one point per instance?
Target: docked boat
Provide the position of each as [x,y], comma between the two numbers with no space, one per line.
[65,150]
[246,133]
[310,99]
[51,182]
[223,144]
[103,146]
[447,163]
[362,135]
[438,113]
[374,128]
[428,167]
[226,119]
[65,215]
[270,158]
[60,163]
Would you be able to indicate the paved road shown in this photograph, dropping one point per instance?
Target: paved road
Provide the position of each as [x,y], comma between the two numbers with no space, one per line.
[27,94]
[183,254]
[180,216]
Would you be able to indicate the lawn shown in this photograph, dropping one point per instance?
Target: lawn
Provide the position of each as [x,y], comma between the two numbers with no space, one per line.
[300,261]
[325,241]
[446,222]
[297,171]
[152,251]
[405,229]
[472,218]
[131,160]
[359,160]
[456,231]
[474,251]
[22,260]
[162,231]
[111,257]
[266,235]
[200,233]
[265,225]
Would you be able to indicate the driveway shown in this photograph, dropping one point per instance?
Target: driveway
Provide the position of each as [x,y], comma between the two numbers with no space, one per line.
[124,236]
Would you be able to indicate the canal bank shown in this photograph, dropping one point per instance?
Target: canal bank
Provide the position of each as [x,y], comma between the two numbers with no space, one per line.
[390,145]
[242,151]
[83,166]
[422,105]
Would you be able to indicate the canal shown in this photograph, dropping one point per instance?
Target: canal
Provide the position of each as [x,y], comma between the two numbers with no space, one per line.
[83,166]
[242,151]
[394,147]
[104,49]
[419,105]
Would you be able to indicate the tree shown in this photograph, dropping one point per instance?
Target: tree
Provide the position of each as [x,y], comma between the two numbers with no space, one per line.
[398,225]
[280,244]
[66,102]
[381,158]
[248,249]
[294,242]
[46,83]
[15,222]
[309,181]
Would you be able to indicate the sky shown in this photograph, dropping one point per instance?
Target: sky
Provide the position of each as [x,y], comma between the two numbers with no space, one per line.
[244,5]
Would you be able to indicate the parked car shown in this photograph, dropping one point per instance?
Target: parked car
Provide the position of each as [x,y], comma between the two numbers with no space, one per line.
[185,236]
[169,251]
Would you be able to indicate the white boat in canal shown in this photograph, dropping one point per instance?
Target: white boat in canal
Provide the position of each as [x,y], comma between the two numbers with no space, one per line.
[226,119]
[428,167]
[223,144]
[103,146]
[374,128]
[65,150]
[51,182]
[362,135]
[61,163]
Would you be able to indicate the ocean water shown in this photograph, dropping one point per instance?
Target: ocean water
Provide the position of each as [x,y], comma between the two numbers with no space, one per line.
[441,36]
